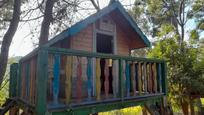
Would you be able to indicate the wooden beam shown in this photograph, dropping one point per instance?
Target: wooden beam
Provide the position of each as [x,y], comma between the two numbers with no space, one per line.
[41,82]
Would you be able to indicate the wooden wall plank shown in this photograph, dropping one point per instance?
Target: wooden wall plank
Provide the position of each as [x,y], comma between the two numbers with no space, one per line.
[68,79]
[41,82]
[106,82]
[79,80]
[89,78]
[115,78]
[98,80]
[27,80]
[127,74]
[133,78]
[13,80]
[139,78]
[56,80]
[32,81]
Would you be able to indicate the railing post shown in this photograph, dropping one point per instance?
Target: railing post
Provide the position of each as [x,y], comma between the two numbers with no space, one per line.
[121,87]
[41,82]
[164,78]
[13,80]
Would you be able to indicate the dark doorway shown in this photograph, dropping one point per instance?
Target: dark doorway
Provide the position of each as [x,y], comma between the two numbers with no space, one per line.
[104,44]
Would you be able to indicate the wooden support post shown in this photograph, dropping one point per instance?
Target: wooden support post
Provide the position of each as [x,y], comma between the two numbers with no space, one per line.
[121,78]
[19,79]
[56,80]
[133,78]
[79,80]
[115,77]
[142,77]
[89,73]
[136,76]
[159,78]
[139,78]
[106,82]
[13,80]
[155,77]
[32,80]
[68,79]
[148,78]
[145,76]
[27,81]
[23,87]
[164,77]
[42,75]
[127,74]
[13,86]
[98,80]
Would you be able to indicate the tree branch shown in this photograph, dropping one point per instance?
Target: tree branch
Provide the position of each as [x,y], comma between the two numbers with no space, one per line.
[2,3]
[8,38]
[95,5]
[174,12]
[44,33]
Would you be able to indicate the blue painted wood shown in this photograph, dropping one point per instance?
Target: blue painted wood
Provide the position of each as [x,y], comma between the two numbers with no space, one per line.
[127,74]
[91,19]
[56,80]
[89,76]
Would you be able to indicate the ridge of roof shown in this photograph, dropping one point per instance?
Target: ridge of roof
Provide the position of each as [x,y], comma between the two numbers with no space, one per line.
[92,18]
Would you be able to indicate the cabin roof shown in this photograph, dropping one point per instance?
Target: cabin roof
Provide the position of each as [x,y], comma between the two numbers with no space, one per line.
[73,30]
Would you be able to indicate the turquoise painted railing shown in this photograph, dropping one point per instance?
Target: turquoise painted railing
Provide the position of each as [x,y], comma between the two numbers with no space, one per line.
[58,79]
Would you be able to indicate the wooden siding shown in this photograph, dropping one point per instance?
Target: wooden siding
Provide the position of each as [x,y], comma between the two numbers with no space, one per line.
[83,40]
[126,39]
[123,41]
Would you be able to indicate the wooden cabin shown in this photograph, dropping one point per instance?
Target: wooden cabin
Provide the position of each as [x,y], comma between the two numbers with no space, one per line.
[88,68]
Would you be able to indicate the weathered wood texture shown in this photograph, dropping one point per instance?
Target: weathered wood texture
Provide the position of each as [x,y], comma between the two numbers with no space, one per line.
[83,40]
[126,38]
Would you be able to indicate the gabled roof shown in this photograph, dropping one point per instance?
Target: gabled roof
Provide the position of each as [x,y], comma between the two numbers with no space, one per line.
[91,19]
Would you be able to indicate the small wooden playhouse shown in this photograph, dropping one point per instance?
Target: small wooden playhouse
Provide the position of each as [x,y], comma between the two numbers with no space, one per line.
[88,68]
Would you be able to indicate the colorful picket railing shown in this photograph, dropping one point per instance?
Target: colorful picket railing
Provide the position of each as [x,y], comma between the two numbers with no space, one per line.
[56,77]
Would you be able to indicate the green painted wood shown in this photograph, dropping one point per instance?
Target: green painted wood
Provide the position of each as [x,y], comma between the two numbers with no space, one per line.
[164,77]
[13,80]
[19,78]
[41,82]
[102,107]
[80,53]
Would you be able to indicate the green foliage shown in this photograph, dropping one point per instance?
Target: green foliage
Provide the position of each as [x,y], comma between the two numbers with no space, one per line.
[194,35]
[126,111]
[201,24]
[184,60]
[185,69]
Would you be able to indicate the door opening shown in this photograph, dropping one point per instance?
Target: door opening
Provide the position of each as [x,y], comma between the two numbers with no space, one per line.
[104,44]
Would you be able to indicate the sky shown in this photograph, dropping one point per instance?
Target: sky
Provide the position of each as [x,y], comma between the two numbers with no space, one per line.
[22,43]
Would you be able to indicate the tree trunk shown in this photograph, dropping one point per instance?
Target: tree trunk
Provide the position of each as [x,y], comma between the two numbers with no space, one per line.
[44,33]
[192,106]
[8,38]
[184,106]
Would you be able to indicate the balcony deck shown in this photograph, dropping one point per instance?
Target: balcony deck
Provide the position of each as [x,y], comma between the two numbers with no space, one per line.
[60,80]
